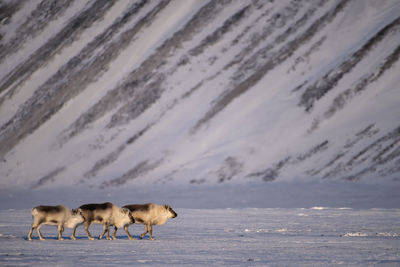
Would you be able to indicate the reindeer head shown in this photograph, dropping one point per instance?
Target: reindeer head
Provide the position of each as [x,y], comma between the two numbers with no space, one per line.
[170,211]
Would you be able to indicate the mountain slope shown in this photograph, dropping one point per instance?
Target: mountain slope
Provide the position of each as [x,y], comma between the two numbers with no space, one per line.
[108,93]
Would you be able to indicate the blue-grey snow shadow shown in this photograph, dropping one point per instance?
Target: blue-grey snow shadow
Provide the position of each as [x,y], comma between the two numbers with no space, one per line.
[135,237]
[50,238]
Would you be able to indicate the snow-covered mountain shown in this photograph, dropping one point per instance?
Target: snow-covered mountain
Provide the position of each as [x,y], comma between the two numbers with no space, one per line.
[105,93]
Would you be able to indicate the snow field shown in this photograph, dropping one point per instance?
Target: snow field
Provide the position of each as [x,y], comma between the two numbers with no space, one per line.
[219,237]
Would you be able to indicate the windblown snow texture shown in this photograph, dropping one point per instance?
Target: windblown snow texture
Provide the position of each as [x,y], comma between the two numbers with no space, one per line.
[218,237]
[105,93]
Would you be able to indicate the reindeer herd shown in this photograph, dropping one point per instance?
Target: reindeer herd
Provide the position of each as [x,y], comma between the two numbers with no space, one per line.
[106,214]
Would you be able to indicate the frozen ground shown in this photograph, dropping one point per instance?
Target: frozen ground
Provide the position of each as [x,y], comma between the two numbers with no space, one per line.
[220,237]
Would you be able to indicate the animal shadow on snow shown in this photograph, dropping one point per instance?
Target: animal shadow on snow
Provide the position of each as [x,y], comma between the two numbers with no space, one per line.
[68,238]
[135,237]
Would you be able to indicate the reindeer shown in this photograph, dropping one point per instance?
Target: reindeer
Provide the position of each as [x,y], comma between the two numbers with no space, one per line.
[106,214]
[148,214]
[55,215]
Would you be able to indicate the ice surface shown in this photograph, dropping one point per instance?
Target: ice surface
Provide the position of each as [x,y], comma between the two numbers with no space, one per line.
[219,237]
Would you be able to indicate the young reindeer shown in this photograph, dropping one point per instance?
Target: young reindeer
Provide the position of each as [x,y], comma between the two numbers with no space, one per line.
[106,214]
[148,214]
[54,215]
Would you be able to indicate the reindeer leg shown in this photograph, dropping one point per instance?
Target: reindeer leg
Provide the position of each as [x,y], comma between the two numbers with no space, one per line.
[73,233]
[31,231]
[151,232]
[60,231]
[39,233]
[146,228]
[104,232]
[106,229]
[127,232]
[87,231]
[115,233]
